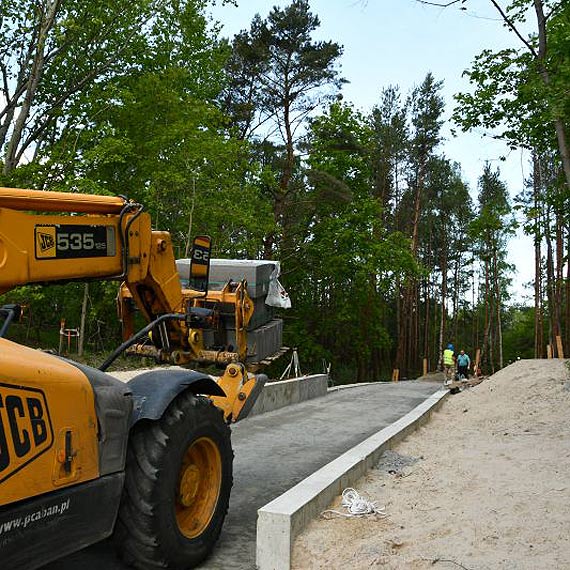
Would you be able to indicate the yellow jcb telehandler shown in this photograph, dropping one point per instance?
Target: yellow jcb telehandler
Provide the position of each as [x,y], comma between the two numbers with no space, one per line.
[83,455]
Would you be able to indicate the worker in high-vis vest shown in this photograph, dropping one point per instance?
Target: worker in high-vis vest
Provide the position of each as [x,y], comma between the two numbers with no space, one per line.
[448,362]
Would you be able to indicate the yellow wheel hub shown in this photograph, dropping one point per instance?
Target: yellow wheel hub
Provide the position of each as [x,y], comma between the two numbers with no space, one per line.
[199,483]
[189,485]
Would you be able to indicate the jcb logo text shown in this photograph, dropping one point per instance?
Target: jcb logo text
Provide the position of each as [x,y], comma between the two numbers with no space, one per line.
[25,429]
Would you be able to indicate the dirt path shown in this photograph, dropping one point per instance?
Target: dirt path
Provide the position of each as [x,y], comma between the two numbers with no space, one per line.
[485,485]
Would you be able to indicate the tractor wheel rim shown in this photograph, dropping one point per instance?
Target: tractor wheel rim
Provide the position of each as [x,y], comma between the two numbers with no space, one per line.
[199,482]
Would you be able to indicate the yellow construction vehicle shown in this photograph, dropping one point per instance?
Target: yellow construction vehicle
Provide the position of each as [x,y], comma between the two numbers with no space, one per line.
[83,455]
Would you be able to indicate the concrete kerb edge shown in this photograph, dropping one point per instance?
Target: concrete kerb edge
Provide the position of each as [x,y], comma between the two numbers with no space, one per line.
[283,393]
[348,386]
[286,516]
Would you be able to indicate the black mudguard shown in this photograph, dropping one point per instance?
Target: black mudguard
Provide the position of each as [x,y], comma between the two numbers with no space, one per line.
[113,403]
[153,391]
[43,529]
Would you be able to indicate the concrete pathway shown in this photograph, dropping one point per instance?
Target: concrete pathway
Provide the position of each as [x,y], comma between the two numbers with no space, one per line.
[274,451]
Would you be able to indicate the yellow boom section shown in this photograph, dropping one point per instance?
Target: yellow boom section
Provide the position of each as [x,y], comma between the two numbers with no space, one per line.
[36,248]
[18,199]
[94,237]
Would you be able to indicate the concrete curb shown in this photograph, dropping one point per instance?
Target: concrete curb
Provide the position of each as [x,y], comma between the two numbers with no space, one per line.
[283,393]
[285,517]
[347,386]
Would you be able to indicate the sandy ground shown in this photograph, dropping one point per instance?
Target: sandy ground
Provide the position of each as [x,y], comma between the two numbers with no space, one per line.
[484,485]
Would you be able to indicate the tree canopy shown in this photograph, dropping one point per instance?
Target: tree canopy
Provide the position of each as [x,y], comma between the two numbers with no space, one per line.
[387,253]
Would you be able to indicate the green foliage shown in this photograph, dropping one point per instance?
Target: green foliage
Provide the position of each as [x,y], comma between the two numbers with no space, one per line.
[248,141]
[77,44]
[278,75]
[389,149]
[511,95]
[426,107]
[519,333]
[494,222]
[350,262]
[46,306]
[278,72]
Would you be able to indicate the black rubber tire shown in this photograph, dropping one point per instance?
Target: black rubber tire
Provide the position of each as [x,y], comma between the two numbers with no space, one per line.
[147,534]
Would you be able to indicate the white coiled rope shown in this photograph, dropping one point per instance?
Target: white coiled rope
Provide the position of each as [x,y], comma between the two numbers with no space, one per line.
[356,506]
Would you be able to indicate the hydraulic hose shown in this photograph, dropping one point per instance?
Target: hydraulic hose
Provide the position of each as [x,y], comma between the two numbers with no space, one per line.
[137,336]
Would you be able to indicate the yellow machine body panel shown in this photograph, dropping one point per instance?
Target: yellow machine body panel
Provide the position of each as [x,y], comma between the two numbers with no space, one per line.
[48,424]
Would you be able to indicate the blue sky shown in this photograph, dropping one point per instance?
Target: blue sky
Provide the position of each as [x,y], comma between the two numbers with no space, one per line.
[397,42]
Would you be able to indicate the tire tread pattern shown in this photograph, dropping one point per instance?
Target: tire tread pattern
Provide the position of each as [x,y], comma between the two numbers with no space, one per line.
[144,530]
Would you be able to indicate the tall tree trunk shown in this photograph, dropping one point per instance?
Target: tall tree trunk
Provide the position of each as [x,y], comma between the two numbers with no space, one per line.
[498,305]
[443,317]
[427,321]
[456,277]
[485,348]
[491,341]
[475,317]
[491,316]
[567,300]
[281,194]
[414,356]
[550,283]
[418,205]
[538,325]
[411,296]
[409,332]
[538,322]
[558,120]
[559,264]
[400,325]
[45,24]
[84,304]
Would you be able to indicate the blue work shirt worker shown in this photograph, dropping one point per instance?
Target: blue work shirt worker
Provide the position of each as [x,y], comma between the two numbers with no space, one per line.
[463,364]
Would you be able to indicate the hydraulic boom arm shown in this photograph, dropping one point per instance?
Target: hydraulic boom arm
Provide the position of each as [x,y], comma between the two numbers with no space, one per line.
[58,237]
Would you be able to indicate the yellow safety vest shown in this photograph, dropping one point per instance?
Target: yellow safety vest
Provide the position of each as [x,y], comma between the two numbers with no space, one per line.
[448,356]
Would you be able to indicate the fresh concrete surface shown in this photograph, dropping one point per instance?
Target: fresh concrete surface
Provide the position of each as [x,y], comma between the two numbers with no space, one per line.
[275,451]
[285,517]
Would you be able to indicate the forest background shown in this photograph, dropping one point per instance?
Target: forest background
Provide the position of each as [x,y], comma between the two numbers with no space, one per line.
[386,251]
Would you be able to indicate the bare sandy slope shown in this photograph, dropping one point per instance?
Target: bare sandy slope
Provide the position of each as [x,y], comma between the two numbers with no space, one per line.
[484,485]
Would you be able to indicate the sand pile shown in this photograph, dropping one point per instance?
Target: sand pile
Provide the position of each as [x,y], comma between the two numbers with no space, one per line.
[485,485]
